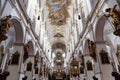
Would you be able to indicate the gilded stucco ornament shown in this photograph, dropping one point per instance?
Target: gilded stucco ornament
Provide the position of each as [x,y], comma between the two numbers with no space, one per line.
[115,15]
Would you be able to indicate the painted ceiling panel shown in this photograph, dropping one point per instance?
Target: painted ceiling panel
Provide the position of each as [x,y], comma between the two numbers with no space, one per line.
[58,11]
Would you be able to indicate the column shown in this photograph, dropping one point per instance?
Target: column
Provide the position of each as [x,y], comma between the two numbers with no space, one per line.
[29,73]
[19,48]
[102,71]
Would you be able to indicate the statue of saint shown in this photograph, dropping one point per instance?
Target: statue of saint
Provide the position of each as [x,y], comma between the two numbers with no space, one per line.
[4,27]
[5,24]
[115,15]
[92,47]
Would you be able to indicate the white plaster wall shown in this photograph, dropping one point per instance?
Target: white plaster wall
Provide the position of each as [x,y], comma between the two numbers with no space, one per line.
[82,76]
[7,10]
[106,71]
[90,74]
[14,72]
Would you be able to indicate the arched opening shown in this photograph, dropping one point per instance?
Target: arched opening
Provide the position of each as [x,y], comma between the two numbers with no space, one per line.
[59,45]
[18,30]
[100,28]
[36,58]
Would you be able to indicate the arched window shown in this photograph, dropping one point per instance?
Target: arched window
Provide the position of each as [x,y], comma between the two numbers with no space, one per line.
[15,58]
[89,65]
[104,57]
[29,66]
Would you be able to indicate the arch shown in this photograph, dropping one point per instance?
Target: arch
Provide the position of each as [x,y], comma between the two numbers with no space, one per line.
[18,30]
[59,45]
[100,28]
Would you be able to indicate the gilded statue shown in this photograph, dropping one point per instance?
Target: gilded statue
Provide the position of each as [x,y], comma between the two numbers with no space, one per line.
[115,15]
[92,47]
[5,24]
[4,27]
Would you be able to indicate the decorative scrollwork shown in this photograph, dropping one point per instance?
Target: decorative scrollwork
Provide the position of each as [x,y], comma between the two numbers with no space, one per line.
[115,15]
[74,70]
[4,27]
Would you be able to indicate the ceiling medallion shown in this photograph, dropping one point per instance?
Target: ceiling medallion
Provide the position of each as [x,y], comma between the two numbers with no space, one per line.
[58,13]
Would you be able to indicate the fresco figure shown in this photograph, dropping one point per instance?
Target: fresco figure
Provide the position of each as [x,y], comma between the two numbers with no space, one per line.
[58,11]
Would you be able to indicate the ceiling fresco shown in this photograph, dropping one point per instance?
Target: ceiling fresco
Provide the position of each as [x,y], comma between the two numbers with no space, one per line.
[58,13]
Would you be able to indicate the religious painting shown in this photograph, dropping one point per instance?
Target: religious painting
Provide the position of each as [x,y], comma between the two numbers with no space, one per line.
[115,16]
[29,66]
[58,12]
[89,65]
[104,57]
[15,58]
[81,70]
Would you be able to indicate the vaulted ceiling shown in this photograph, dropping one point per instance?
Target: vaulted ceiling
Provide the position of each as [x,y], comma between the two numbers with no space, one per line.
[58,17]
